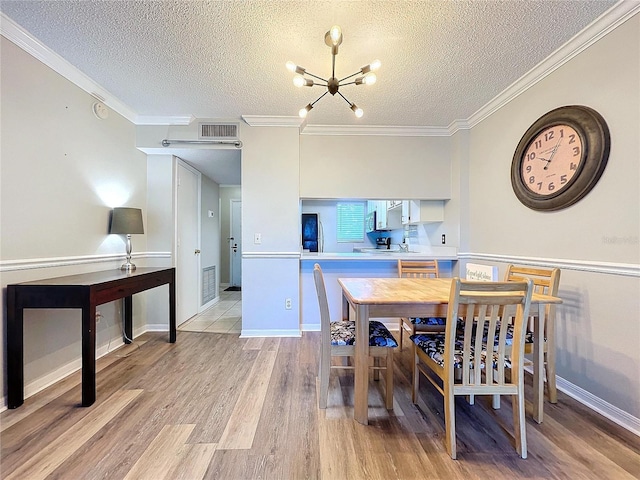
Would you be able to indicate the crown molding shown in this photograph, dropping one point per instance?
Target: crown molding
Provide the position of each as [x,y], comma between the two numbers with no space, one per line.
[593,32]
[23,39]
[164,120]
[379,130]
[272,121]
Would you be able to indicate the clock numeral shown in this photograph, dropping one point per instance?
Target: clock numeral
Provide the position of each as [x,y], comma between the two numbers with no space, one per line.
[538,144]
[551,187]
[540,186]
[563,179]
[531,156]
[576,151]
[532,179]
[549,135]
[572,139]
[528,168]
[562,132]
[574,166]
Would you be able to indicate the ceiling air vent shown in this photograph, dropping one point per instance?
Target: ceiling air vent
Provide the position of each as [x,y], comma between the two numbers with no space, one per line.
[218,131]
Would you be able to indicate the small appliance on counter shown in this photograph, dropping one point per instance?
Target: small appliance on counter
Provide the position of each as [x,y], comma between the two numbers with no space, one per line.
[383,242]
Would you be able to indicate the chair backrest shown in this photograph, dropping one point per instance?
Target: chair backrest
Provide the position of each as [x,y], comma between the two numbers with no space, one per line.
[418,268]
[325,319]
[545,280]
[478,306]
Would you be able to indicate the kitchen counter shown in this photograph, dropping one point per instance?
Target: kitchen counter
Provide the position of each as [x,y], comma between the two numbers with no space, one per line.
[441,253]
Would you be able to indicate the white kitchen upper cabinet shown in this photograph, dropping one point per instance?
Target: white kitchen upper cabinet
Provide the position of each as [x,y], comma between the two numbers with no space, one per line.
[422,211]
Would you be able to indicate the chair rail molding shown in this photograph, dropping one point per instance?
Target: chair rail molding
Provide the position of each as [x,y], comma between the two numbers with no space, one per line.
[621,269]
[34,263]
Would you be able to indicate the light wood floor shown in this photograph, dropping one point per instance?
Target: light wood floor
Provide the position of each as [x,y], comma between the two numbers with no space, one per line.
[217,406]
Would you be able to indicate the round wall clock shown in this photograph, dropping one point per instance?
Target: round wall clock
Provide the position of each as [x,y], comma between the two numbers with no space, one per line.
[560,158]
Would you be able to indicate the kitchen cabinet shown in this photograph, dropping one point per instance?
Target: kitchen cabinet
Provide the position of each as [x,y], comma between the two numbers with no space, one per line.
[422,211]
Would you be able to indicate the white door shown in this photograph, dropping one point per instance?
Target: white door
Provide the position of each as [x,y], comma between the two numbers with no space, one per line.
[187,243]
[235,243]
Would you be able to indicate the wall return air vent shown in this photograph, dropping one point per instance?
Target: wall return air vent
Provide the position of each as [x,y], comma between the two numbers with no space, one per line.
[218,131]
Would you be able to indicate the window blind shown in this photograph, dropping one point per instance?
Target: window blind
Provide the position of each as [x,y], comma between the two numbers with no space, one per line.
[350,221]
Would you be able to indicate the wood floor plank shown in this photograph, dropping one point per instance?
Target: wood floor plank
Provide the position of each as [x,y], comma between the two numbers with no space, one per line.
[243,422]
[193,462]
[162,455]
[48,459]
[202,381]
[254,343]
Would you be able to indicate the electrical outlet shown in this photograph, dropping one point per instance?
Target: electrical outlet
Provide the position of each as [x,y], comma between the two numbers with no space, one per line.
[287,303]
[257,238]
[211,214]
[444,240]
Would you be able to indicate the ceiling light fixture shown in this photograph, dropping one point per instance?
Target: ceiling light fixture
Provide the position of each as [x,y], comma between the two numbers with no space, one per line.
[333,39]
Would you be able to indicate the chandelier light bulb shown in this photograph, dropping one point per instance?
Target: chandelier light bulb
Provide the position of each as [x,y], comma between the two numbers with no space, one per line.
[336,35]
[369,79]
[375,65]
[303,111]
[357,110]
[298,80]
[291,66]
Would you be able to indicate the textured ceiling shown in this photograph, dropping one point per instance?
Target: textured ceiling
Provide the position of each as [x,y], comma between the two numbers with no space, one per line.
[441,60]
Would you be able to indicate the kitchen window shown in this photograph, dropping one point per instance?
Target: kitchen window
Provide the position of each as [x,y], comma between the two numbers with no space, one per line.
[350,221]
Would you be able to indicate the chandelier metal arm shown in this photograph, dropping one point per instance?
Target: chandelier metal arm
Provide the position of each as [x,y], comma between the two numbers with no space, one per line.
[345,78]
[345,98]
[315,76]
[313,103]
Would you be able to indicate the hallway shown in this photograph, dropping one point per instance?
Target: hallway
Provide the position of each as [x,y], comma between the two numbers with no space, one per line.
[223,317]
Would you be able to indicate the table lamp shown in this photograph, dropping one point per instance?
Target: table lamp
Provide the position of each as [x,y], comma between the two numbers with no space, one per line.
[126,221]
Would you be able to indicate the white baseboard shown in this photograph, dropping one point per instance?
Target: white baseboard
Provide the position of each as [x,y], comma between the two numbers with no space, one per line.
[270,333]
[310,327]
[613,413]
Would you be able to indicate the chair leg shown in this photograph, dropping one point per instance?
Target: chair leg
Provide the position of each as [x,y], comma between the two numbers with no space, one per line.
[550,371]
[376,369]
[389,380]
[450,419]
[415,374]
[323,394]
[519,423]
[495,402]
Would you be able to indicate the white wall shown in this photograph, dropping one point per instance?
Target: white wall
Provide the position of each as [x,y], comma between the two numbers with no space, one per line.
[270,206]
[63,169]
[373,167]
[599,324]
[210,235]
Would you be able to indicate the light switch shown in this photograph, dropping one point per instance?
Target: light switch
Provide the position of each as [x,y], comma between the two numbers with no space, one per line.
[257,238]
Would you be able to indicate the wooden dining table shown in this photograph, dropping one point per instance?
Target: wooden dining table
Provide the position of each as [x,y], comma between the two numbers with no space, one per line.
[365,298]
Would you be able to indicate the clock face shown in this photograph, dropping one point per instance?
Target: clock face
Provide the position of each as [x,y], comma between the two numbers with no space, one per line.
[560,158]
[551,160]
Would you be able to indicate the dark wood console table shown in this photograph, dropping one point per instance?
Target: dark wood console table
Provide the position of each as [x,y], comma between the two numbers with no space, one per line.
[84,291]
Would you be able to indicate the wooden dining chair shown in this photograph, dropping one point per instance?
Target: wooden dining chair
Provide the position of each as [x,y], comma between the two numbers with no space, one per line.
[456,362]
[338,340]
[419,269]
[546,281]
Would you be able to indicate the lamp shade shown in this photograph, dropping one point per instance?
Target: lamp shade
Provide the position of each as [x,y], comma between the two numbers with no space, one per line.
[126,221]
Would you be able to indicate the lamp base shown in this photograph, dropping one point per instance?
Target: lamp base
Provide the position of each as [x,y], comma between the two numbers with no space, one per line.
[128,267]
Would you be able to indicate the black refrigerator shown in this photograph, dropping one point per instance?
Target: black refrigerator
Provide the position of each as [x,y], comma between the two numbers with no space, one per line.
[310,232]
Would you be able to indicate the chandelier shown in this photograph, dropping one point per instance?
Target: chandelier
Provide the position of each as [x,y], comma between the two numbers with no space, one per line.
[333,39]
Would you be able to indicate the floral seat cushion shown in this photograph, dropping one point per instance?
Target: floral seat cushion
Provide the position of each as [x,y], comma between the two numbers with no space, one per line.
[344,333]
[431,321]
[433,346]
